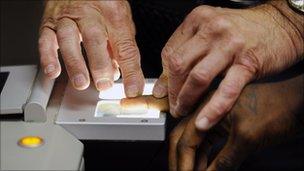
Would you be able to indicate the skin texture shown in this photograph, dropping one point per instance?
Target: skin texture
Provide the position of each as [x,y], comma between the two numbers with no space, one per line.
[264,114]
[240,45]
[107,32]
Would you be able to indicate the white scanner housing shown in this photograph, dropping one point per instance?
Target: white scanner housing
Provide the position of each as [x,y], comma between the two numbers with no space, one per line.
[78,115]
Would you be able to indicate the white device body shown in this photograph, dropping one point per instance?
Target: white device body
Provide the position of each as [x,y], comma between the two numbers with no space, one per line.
[77,115]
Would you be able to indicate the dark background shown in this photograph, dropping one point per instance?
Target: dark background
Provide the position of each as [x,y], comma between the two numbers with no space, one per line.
[155,22]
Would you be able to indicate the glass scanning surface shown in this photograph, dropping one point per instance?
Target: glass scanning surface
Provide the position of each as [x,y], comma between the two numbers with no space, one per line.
[113,108]
[117,91]
[109,105]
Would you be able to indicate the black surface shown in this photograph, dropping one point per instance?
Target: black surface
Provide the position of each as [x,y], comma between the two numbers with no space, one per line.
[3,78]
[19,31]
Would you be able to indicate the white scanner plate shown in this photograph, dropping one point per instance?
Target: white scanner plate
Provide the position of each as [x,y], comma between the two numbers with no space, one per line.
[81,115]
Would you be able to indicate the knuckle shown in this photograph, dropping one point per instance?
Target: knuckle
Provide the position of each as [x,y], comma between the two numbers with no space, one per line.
[46,49]
[117,17]
[97,68]
[181,146]
[220,24]
[48,22]
[65,33]
[173,138]
[199,76]
[96,73]
[247,135]
[172,93]
[224,163]
[167,50]
[201,35]
[117,12]
[127,50]
[129,74]
[176,64]
[218,110]
[72,62]
[230,90]
[250,61]
[93,35]
[93,31]
[43,41]
[237,41]
[184,144]
[201,12]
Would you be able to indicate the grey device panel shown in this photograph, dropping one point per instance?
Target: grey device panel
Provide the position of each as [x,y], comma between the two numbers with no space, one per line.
[60,150]
[77,115]
[17,88]
[22,93]
[25,91]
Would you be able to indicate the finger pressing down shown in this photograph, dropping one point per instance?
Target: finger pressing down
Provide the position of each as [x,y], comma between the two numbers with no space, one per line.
[69,44]
[127,54]
[48,47]
[95,40]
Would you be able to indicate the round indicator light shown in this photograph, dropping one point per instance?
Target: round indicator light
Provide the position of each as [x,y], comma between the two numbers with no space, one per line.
[30,141]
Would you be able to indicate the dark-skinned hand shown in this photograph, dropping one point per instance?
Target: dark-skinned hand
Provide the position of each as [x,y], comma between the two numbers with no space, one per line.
[264,114]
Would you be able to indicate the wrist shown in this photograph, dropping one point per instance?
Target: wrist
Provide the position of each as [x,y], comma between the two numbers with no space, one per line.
[292,22]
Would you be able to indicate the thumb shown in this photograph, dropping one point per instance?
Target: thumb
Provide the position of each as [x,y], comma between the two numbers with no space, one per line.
[160,88]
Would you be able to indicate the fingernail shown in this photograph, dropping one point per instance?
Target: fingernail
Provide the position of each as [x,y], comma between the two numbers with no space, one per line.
[116,76]
[49,69]
[132,91]
[203,124]
[159,91]
[104,84]
[79,80]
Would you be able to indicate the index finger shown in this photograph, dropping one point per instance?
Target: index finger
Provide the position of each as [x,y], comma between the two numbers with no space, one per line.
[146,101]
[224,97]
[183,33]
[95,41]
